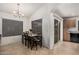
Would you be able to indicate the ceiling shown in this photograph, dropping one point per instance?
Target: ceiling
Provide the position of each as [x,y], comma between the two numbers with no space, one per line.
[64,9]
[68,9]
[26,8]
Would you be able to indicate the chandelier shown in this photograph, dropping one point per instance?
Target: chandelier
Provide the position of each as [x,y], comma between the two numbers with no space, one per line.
[18,12]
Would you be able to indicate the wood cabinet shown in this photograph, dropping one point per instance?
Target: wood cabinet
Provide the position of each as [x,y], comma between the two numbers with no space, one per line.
[67,24]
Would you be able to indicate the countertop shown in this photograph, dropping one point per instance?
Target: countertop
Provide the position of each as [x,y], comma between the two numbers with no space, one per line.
[73,30]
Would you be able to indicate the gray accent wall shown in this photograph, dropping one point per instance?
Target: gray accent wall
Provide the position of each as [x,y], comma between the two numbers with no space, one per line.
[11,27]
[37,26]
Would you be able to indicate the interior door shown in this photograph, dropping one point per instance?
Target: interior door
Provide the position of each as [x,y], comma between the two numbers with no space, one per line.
[56,31]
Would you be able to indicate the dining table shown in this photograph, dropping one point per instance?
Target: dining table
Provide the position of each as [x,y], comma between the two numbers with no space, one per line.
[32,35]
[33,39]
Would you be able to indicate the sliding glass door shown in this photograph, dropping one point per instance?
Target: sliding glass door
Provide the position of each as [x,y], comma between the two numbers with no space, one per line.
[56,31]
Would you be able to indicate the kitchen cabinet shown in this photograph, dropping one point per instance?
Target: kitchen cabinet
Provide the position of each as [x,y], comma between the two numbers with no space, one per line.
[67,24]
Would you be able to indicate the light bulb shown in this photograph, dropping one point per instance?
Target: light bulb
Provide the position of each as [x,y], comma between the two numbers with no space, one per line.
[14,12]
[22,14]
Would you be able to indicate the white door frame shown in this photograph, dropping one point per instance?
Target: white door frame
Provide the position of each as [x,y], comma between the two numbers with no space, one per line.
[61,25]
[52,18]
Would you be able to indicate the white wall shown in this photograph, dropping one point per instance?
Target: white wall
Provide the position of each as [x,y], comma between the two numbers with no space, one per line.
[0,26]
[44,13]
[51,31]
[12,39]
[47,24]
[77,19]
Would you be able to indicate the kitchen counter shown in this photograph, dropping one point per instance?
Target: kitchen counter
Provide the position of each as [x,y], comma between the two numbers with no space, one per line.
[74,36]
[73,31]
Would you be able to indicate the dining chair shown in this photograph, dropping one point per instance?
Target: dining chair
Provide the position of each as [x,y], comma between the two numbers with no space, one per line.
[26,38]
[36,40]
[23,38]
